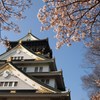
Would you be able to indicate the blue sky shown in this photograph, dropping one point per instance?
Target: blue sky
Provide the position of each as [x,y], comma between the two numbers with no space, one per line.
[69,59]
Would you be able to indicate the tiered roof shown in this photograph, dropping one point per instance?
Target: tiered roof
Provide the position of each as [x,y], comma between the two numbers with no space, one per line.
[37,52]
[34,45]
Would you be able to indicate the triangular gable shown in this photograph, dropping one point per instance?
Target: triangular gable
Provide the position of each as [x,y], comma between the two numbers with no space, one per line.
[21,52]
[29,37]
[10,73]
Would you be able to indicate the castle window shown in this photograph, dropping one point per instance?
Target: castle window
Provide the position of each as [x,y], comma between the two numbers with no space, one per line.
[8,84]
[15,83]
[40,69]
[46,81]
[1,83]
[36,69]
[14,58]
[42,80]
[22,58]
[17,58]
[23,69]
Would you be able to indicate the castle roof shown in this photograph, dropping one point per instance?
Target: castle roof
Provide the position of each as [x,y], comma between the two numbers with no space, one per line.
[36,55]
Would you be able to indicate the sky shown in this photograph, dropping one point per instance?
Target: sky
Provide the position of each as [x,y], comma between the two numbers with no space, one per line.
[68,59]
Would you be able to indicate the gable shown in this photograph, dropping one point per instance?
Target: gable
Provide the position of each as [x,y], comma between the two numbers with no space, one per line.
[8,74]
[9,81]
[19,53]
[29,37]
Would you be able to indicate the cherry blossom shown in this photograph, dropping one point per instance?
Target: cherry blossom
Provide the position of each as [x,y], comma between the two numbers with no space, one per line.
[72,20]
[10,9]
[91,81]
[96,96]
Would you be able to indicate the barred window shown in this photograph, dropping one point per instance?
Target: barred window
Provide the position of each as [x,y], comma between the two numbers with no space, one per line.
[8,84]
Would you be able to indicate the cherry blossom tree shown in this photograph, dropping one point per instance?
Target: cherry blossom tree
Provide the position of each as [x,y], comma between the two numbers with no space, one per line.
[9,11]
[72,20]
[91,81]
[96,96]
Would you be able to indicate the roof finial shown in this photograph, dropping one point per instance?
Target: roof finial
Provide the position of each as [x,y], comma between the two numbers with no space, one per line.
[30,31]
[20,42]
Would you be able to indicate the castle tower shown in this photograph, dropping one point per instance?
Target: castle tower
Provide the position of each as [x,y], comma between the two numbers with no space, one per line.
[28,72]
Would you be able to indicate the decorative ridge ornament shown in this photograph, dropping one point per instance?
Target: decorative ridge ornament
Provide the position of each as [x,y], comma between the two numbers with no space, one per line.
[6,73]
[30,31]
[20,41]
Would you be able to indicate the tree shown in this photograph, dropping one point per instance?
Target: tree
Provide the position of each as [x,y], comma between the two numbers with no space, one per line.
[10,9]
[72,20]
[96,96]
[91,81]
